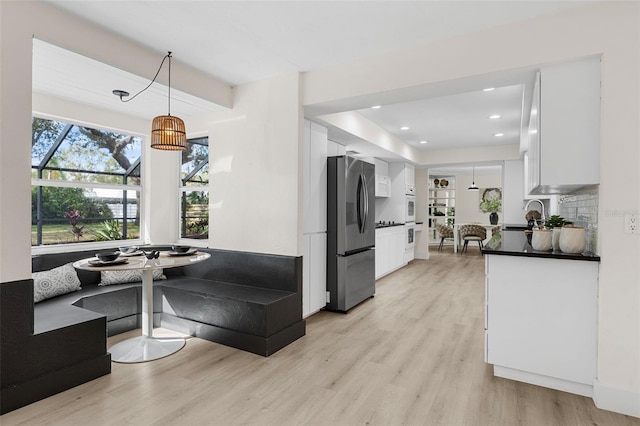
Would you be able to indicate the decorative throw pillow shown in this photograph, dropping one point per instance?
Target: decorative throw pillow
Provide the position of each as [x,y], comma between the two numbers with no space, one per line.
[54,282]
[121,277]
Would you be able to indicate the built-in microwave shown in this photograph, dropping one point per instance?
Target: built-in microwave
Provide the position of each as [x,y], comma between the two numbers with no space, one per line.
[410,208]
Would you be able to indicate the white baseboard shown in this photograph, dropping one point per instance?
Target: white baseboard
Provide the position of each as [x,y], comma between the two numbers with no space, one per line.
[544,381]
[617,400]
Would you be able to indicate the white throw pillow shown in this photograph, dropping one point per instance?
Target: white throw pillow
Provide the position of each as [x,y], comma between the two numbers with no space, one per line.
[132,276]
[54,282]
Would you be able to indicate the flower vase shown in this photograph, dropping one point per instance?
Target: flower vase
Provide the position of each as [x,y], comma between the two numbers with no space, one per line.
[572,239]
[493,218]
[541,240]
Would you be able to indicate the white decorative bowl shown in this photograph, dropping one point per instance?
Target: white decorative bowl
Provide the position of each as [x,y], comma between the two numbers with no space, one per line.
[572,239]
[541,239]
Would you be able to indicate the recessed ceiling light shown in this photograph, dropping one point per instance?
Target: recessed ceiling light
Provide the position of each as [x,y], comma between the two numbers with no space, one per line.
[499,134]
[376,107]
[488,89]
[404,128]
[423,141]
[494,116]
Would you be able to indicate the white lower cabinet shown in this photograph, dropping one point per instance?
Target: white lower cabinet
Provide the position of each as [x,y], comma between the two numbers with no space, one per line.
[390,249]
[314,273]
[541,321]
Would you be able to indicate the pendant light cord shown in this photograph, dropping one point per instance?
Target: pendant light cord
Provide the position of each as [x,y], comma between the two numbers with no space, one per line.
[168,55]
[169,100]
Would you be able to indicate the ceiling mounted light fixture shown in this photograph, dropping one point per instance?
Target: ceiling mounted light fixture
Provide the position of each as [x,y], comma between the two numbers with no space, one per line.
[167,132]
[473,186]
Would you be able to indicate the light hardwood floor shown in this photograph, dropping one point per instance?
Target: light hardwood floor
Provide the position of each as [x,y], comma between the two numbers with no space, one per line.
[411,355]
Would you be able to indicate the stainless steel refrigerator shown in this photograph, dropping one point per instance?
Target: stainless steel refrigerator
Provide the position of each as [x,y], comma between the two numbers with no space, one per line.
[350,232]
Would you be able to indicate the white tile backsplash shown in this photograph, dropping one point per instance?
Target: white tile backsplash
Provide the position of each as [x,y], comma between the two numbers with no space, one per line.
[582,209]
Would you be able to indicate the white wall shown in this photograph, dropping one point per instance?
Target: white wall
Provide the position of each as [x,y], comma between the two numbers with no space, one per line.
[467,210]
[608,28]
[256,170]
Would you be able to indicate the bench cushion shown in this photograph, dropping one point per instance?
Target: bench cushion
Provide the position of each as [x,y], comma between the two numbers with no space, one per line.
[248,309]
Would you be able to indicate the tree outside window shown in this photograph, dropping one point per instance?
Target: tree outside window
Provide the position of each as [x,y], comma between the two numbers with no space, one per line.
[86,184]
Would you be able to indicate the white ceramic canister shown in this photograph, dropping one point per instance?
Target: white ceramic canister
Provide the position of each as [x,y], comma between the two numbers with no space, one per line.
[555,239]
[572,239]
[541,239]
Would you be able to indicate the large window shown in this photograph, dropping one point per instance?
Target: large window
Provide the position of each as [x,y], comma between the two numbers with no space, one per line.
[194,190]
[86,184]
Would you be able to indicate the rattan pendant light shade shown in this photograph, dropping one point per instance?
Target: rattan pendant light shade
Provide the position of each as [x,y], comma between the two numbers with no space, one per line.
[168,133]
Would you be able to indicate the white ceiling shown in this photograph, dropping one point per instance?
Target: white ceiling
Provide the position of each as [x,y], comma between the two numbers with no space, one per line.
[455,121]
[245,41]
[64,74]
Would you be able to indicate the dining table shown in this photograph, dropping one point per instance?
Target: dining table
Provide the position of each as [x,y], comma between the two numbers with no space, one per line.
[145,347]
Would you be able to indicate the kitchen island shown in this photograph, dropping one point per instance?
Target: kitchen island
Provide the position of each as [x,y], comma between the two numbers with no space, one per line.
[541,314]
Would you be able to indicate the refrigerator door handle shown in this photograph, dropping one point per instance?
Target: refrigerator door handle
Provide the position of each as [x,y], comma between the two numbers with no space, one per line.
[366,203]
[360,203]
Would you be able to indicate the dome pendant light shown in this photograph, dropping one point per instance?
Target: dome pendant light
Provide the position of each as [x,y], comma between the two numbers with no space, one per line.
[473,186]
[167,132]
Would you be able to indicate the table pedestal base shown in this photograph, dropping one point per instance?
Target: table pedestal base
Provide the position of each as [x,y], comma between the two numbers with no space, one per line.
[142,349]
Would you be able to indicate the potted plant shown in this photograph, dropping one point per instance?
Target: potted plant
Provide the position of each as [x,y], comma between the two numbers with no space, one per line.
[492,206]
[555,223]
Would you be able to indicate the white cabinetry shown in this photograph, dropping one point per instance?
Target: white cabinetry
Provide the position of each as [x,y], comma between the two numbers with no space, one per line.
[314,273]
[390,247]
[564,133]
[541,321]
[315,178]
[409,175]
[403,176]
[334,149]
[383,186]
[314,260]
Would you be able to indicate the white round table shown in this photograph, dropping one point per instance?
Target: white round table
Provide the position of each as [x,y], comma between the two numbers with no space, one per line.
[146,347]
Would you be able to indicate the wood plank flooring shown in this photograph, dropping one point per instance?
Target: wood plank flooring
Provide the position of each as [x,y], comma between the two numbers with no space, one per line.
[413,355]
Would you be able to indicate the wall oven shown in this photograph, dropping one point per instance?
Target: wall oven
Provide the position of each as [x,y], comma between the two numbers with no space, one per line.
[410,234]
[410,208]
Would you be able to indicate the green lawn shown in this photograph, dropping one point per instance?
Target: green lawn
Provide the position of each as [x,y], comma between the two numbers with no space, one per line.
[61,233]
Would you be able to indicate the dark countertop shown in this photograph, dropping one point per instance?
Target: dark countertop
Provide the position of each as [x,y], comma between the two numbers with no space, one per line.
[514,243]
[388,225]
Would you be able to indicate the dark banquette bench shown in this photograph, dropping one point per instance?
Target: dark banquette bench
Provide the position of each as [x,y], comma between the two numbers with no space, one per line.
[249,301]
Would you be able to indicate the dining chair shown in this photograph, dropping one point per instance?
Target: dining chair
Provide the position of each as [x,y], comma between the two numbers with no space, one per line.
[445,232]
[472,233]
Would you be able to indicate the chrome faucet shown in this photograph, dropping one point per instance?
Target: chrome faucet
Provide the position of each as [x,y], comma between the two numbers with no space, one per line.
[542,216]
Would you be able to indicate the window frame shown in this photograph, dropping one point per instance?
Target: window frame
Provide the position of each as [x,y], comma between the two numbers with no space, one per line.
[182,188]
[94,245]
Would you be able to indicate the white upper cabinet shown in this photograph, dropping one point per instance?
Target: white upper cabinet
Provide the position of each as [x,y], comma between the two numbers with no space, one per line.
[403,178]
[315,178]
[383,181]
[564,133]
[409,175]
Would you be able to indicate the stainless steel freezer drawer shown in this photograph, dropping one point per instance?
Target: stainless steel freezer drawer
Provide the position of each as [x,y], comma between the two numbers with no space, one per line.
[354,281]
